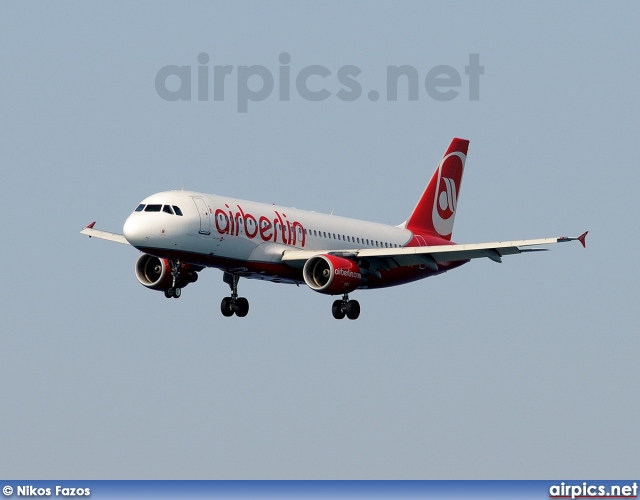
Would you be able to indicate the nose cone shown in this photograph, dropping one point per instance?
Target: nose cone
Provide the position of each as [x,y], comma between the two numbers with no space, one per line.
[134,230]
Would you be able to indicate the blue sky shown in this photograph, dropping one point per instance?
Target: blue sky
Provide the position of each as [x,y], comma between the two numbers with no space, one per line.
[527,369]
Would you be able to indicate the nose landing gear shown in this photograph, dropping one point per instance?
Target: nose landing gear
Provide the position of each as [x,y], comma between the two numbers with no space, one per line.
[234,304]
[345,307]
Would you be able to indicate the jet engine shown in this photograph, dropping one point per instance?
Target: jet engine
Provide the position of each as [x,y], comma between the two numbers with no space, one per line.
[331,275]
[155,273]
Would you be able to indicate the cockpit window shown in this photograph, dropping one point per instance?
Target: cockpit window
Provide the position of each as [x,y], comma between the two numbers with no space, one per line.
[140,207]
[167,208]
[153,208]
[177,210]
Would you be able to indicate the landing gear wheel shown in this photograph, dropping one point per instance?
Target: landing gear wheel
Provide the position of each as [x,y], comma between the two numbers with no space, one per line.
[353,309]
[336,309]
[345,307]
[234,304]
[226,307]
[177,292]
[168,293]
[242,307]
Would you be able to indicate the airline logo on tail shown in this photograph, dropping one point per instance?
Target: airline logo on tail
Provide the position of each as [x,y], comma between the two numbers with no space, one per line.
[436,210]
[446,198]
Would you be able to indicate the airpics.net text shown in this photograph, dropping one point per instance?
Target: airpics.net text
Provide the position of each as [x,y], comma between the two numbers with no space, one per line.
[314,82]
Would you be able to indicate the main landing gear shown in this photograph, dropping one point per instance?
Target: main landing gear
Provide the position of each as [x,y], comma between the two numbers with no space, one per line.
[234,304]
[173,290]
[345,307]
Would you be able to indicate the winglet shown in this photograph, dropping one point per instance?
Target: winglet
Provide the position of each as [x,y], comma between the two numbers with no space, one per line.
[582,239]
[90,226]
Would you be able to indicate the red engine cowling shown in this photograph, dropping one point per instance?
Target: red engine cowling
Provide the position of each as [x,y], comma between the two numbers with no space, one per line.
[331,275]
[155,273]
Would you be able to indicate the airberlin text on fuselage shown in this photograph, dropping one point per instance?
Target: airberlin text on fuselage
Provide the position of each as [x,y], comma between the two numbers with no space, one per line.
[277,230]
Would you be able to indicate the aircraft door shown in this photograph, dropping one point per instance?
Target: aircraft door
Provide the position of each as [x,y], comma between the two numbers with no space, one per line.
[205,216]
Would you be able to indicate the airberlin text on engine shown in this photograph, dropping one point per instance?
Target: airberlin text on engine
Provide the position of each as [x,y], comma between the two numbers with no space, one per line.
[347,273]
[60,491]
[278,230]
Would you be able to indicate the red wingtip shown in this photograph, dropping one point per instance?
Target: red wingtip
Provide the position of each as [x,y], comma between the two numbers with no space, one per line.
[582,238]
[90,226]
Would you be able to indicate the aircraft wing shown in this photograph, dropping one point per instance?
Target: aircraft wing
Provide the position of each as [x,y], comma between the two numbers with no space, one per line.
[103,235]
[431,256]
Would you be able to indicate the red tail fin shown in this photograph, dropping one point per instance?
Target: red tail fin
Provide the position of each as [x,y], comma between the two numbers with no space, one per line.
[435,212]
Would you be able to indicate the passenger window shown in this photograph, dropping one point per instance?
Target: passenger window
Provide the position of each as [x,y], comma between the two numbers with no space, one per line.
[140,207]
[153,208]
[177,211]
[167,208]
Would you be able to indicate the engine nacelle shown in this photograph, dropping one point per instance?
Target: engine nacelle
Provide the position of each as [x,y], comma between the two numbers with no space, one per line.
[331,275]
[155,273]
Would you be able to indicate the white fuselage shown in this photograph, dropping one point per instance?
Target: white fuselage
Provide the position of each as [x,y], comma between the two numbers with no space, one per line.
[228,233]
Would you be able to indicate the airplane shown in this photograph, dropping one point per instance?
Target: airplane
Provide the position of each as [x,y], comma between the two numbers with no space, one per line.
[180,233]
